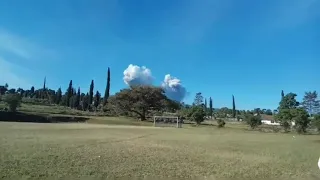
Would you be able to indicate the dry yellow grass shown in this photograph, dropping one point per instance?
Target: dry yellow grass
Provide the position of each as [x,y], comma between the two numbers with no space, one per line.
[71,151]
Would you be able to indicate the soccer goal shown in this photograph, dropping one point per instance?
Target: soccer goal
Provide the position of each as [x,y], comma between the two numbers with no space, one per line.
[167,121]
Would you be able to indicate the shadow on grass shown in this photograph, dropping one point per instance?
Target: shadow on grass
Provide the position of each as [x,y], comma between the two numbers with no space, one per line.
[23,117]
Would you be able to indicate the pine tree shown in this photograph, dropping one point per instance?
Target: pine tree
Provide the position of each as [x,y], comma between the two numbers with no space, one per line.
[198,100]
[107,91]
[69,93]
[233,107]
[210,107]
[311,103]
[91,92]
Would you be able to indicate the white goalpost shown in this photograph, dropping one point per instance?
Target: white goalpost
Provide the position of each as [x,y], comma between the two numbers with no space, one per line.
[167,121]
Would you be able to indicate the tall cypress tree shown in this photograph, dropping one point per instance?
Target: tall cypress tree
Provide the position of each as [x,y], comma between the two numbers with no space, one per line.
[205,105]
[107,92]
[32,92]
[97,98]
[43,92]
[69,93]
[85,102]
[77,103]
[74,91]
[91,92]
[44,83]
[210,107]
[282,94]
[233,107]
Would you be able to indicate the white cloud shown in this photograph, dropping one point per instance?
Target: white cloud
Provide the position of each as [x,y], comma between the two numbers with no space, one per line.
[173,88]
[13,75]
[136,75]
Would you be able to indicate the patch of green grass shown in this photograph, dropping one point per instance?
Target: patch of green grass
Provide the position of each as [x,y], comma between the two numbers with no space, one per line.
[53,109]
[2,105]
[44,151]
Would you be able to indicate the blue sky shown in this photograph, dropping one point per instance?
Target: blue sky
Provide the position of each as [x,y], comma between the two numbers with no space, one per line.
[248,48]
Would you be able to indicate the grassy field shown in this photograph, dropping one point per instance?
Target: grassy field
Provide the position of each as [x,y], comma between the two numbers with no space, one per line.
[50,109]
[71,151]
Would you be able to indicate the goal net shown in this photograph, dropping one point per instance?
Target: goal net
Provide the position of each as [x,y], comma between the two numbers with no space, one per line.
[167,121]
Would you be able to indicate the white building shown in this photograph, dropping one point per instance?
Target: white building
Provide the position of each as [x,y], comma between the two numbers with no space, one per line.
[269,120]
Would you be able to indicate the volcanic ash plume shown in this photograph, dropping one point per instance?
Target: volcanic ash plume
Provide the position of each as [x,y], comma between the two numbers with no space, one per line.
[173,88]
[136,75]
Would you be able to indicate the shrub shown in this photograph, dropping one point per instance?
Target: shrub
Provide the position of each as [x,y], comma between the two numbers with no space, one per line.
[316,122]
[285,117]
[197,114]
[35,101]
[286,125]
[301,120]
[221,123]
[253,121]
[13,101]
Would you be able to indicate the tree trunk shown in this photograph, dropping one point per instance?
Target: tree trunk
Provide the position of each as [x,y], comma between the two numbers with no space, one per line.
[142,117]
[142,114]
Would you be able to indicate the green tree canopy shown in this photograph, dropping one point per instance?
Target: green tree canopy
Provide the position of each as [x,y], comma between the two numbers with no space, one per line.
[290,112]
[97,99]
[233,107]
[107,91]
[311,102]
[91,92]
[253,120]
[196,114]
[140,100]
[289,101]
[268,112]
[300,117]
[58,96]
[210,107]
[69,93]
[198,100]
[13,101]
[316,122]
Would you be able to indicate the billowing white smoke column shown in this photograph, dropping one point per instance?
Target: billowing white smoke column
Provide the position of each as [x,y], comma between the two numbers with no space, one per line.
[136,75]
[173,88]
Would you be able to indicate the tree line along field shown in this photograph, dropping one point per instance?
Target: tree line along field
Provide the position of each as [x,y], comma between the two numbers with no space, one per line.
[73,151]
